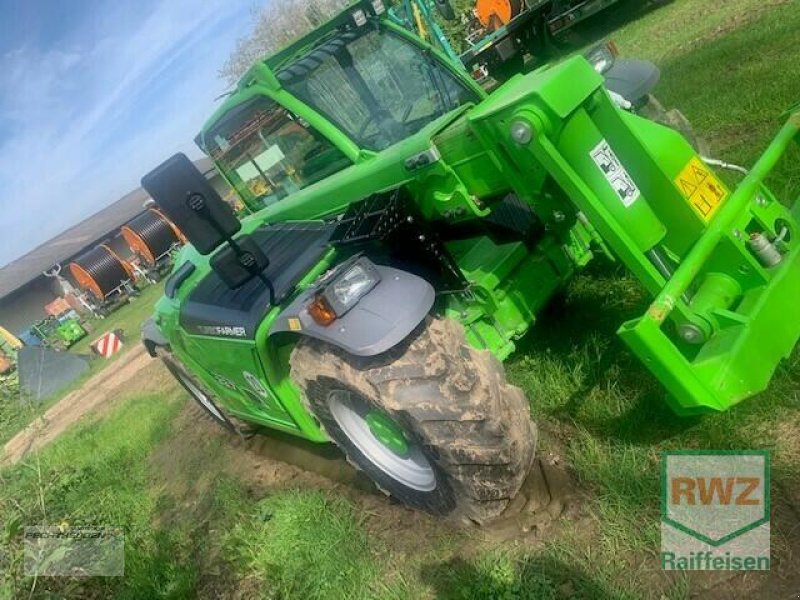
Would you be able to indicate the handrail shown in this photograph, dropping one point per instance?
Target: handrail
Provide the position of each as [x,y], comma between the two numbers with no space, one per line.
[688,270]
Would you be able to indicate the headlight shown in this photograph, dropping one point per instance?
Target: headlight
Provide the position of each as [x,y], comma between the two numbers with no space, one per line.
[351,286]
[344,291]
[602,57]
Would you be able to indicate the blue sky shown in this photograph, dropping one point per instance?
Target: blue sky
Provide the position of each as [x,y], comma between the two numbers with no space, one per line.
[93,94]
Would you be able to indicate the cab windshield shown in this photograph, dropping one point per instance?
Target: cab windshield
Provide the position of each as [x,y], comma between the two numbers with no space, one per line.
[375,85]
[268,153]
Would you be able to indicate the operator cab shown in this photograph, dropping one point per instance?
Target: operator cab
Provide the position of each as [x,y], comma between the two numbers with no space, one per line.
[366,87]
[375,85]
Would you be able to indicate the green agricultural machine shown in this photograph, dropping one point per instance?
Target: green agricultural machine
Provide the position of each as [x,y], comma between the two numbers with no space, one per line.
[409,228]
[59,332]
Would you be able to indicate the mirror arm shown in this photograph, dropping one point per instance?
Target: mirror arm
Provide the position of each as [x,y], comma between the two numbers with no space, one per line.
[197,203]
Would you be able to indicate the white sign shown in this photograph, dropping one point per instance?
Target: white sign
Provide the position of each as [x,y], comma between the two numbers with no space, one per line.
[616,175]
[269,158]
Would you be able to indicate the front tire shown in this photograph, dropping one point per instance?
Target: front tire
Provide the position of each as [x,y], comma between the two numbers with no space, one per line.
[462,436]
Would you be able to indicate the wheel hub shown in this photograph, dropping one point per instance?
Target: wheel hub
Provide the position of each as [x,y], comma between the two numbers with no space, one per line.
[382,441]
[387,433]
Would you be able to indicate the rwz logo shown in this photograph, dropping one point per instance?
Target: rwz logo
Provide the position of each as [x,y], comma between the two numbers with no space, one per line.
[715,510]
[702,490]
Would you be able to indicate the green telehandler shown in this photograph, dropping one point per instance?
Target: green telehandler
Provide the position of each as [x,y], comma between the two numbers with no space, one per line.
[407,230]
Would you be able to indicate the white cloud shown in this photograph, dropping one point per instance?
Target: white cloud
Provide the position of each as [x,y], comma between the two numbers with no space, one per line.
[79,125]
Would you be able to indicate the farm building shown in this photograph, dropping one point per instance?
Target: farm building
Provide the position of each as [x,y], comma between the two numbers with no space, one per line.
[24,289]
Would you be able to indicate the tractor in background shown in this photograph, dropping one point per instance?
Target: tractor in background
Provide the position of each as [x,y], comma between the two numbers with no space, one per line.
[58,332]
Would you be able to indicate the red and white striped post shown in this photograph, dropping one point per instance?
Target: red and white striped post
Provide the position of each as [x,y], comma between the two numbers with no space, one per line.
[108,345]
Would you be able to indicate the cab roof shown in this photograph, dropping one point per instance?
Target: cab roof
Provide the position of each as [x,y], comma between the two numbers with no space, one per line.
[264,71]
[316,36]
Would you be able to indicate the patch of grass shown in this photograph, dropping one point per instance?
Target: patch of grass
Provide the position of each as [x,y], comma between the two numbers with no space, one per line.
[97,475]
[680,26]
[728,66]
[496,575]
[612,417]
[305,544]
[14,416]
[726,75]
[511,574]
[734,90]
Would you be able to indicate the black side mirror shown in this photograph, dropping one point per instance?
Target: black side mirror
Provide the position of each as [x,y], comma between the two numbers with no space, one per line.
[239,262]
[184,194]
[189,200]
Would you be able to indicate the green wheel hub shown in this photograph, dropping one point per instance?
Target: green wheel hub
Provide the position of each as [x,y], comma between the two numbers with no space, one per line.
[381,441]
[387,432]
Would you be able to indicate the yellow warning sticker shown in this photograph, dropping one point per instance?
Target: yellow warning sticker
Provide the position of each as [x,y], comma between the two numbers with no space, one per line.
[295,324]
[701,188]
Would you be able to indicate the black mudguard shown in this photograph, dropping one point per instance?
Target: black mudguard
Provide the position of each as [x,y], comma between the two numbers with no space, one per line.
[634,80]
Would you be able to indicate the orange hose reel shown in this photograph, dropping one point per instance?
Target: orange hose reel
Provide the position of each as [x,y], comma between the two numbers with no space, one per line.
[146,238]
[493,14]
[102,272]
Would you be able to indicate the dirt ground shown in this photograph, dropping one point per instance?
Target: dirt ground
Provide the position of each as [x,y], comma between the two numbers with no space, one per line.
[275,461]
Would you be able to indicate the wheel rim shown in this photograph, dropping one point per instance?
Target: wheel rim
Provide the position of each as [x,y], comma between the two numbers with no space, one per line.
[201,397]
[375,435]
